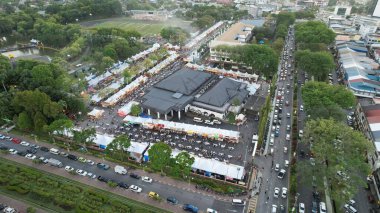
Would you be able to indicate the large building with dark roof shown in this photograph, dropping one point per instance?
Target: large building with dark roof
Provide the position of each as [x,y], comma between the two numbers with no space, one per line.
[198,91]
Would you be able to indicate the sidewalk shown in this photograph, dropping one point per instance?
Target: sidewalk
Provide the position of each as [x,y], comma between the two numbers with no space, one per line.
[17,204]
[156,177]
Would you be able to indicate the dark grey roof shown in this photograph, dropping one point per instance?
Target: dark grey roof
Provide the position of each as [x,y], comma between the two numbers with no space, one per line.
[184,81]
[224,91]
[164,101]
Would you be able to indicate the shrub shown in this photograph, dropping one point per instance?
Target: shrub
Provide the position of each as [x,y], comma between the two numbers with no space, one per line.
[112,184]
[30,210]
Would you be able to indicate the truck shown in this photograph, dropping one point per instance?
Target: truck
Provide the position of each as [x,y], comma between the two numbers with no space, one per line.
[120,170]
[255,138]
[55,162]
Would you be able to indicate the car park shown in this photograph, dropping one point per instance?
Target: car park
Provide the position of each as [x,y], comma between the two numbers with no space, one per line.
[190,208]
[172,200]
[135,188]
[301,208]
[276,192]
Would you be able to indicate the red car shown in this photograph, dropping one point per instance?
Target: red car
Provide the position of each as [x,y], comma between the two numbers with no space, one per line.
[16,140]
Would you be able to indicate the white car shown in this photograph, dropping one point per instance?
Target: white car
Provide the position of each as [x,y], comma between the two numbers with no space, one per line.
[276,192]
[23,143]
[30,156]
[91,175]
[146,179]
[301,108]
[211,210]
[287,137]
[286,163]
[301,208]
[209,122]
[300,134]
[322,207]
[288,115]
[281,174]
[69,168]
[135,188]
[81,172]
[90,162]
[13,151]
[284,192]
[277,167]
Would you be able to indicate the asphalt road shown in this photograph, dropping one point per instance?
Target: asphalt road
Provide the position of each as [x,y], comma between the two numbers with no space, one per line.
[202,201]
[270,179]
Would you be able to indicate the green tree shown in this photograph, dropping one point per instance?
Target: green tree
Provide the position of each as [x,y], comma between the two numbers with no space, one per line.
[278,45]
[159,156]
[314,32]
[205,21]
[118,148]
[135,110]
[84,137]
[322,100]
[281,31]
[175,35]
[317,64]
[107,62]
[24,122]
[5,67]
[336,147]
[184,161]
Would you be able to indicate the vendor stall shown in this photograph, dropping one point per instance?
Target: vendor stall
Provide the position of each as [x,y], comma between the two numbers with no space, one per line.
[209,132]
[95,113]
[126,109]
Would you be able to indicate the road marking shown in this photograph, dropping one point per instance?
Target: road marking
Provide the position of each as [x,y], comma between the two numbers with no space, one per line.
[231,210]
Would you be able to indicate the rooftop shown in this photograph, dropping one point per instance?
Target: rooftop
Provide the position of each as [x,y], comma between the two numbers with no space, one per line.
[185,81]
[237,34]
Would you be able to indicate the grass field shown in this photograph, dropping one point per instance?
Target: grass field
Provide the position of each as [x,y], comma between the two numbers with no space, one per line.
[144,27]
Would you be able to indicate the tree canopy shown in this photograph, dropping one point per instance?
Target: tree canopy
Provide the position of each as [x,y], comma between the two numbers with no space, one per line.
[261,58]
[184,161]
[322,100]
[336,148]
[84,136]
[118,147]
[174,35]
[159,155]
[314,32]
[317,64]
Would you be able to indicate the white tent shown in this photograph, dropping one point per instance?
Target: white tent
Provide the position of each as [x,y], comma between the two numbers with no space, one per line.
[189,128]
[126,109]
[96,113]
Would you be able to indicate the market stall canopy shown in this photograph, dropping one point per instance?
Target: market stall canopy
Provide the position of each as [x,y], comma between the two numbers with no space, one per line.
[96,113]
[201,130]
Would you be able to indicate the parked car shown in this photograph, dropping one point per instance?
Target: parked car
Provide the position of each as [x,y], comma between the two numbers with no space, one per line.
[135,188]
[172,200]
[103,179]
[24,143]
[90,162]
[276,192]
[190,208]
[284,192]
[16,140]
[81,172]
[72,157]
[102,166]
[133,175]
[322,207]
[301,208]
[69,168]
[44,149]
[281,174]
[30,156]
[146,179]
[22,153]
[31,151]
[123,185]
[154,195]
[13,151]
[314,207]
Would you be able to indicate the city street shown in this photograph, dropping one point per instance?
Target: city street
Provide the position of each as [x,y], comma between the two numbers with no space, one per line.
[280,151]
[165,188]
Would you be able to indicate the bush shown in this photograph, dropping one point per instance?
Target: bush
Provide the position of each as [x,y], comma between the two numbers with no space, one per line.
[112,184]
[30,210]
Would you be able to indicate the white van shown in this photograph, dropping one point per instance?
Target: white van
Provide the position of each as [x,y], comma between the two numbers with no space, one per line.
[198,120]
[54,151]
[238,202]
[120,170]
[274,208]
